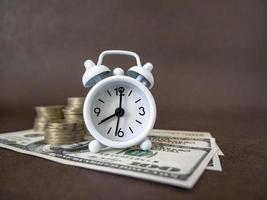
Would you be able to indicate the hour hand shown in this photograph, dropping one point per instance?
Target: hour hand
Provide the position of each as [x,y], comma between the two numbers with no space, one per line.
[103,120]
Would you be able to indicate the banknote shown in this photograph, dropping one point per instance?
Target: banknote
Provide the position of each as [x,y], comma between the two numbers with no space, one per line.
[173,160]
[214,163]
[193,134]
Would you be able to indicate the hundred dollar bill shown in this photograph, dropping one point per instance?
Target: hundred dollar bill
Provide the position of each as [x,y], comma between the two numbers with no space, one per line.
[192,134]
[172,160]
[214,163]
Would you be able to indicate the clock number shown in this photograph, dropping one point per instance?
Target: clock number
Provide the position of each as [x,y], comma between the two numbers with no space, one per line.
[142,111]
[119,90]
[120,133]
[97,111]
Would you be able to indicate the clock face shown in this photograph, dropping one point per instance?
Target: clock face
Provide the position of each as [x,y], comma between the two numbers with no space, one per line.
[120,111]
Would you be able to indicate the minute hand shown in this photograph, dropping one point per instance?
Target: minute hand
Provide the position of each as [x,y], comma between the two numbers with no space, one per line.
[103,120]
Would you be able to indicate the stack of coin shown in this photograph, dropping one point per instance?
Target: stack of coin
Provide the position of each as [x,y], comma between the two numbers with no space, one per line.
[46,114]
[61,132]
[73,112]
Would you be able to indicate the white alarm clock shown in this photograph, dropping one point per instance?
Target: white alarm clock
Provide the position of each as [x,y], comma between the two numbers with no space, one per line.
[119,111]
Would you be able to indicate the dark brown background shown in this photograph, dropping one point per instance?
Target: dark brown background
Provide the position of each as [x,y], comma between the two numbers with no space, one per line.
[210,71]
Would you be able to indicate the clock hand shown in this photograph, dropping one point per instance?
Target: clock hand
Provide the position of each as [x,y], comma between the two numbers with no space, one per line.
[120,109]
[107,118]
[120,90]
[117,126]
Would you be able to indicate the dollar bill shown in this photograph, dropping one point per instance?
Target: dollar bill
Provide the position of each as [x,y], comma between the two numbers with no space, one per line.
[214,163]
[173,160]
[192,134]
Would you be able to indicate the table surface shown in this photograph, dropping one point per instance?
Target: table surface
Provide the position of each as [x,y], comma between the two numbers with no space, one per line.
[242,138]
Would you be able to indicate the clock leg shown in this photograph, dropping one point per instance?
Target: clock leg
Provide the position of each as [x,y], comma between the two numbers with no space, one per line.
[146,145]
[95,146]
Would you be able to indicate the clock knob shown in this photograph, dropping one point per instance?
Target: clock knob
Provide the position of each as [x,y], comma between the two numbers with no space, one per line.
[148,66]
[118,72]
[143,74]
[88,64]
[94,73]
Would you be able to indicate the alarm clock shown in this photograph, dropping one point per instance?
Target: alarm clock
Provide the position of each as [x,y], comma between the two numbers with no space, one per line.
[119,111]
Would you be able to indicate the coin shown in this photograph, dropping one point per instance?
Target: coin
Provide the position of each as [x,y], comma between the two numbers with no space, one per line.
[61,124]
[75,100]
[45,114]
[63,132]
[73,112]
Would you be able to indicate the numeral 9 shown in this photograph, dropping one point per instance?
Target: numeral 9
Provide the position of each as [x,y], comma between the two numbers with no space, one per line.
[97,111]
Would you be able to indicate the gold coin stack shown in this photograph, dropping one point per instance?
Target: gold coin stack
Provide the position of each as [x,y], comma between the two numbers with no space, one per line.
[46,114]
[61,132]
[73,112]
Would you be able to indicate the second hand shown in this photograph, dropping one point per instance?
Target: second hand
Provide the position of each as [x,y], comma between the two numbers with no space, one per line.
[121,90]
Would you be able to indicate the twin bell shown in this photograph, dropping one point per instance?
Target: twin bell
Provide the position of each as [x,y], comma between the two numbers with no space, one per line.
[97,72]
